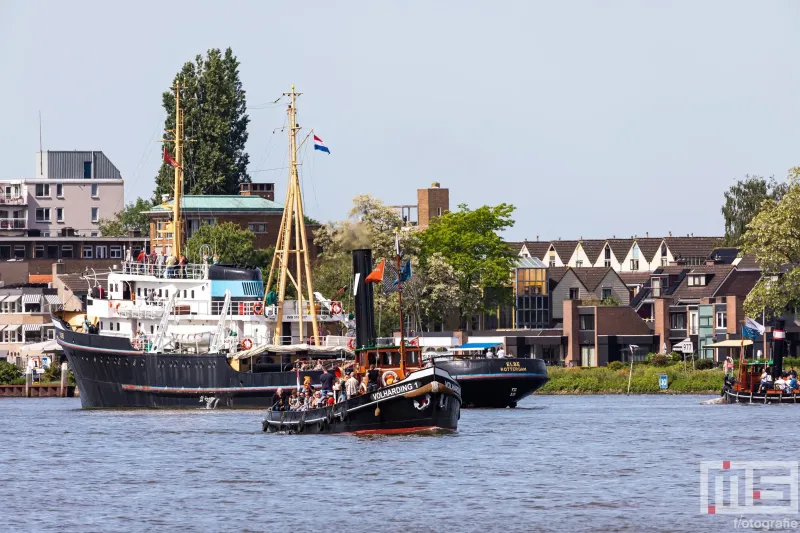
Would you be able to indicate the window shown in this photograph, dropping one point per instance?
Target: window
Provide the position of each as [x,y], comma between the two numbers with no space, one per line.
[606,292]
[87,251]
[5,252]
[38,251]
[45,234]
[19,251]
[95,192]
[42,190]
[655,285]
[552,262]
[138,291]
[51,334]
[95,214]
[722,320]
[692,322]
[42,214]
[101,252]
[574,293]
[607,260]
[579,263]
[184,294]
[697,280]
[66,251]
[587,356]
[59,190]
[634,264]
[677,320]
[192,293]
[95,234]
[59,214]
[586,322]
[87,170]
[52,251]
[438,211]
[257,227]
[116,252]
[117,326]
[664,261]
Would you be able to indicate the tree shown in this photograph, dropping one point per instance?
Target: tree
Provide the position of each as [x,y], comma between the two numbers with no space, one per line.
[311,221]
[8,372]
[773,236]
[469,242]
[132,218]
[231,243]
[439,293]
[743,200]
[215,120]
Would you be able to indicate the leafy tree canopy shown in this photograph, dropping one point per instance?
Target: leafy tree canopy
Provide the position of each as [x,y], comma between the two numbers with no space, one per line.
[231,243]
[773,236]
[9,372]
[132,218]
[215,120]
[743,201]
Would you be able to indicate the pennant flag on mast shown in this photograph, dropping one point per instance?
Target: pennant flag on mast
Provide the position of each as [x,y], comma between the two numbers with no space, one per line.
[752,329]
[320,145]
[376,276]
[397,242]
[168,159]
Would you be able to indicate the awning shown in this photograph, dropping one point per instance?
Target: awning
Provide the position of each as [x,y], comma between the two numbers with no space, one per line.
[12,298]
[52,299]
[31,327]
[3,297]
[2,327]
[478,346]
[730,343]
[31,299]
[12,327]
[43,347]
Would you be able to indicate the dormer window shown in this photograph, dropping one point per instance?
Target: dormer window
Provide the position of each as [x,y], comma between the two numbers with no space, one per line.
[697,280]
[607,261]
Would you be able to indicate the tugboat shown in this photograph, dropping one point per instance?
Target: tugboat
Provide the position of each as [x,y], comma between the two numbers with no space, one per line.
[202,335]
[746,387]
[408,399]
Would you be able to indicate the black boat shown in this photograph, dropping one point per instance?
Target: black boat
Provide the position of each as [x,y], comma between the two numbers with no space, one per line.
[489,382]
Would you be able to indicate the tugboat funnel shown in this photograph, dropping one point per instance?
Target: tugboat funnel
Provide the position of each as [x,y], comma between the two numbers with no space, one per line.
[363,298]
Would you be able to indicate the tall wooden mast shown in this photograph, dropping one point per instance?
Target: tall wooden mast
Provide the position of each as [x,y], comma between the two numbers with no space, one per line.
[177,222]
[293,222]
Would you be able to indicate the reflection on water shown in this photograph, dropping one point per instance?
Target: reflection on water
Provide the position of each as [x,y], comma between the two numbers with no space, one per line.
[556,463]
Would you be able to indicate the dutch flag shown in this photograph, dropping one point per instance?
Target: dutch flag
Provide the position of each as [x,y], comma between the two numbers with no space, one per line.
[320,145]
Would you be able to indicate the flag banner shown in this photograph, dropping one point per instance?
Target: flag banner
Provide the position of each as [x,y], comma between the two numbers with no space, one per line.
[405,273]
[411,286]
[752,324]
[397,242]
[168,159]
[376,276]
[750,333]
[319,145]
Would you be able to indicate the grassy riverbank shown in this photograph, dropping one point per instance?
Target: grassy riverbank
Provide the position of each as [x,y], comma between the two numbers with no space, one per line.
[604,380]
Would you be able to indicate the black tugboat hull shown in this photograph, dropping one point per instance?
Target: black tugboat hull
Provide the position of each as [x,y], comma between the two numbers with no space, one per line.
[496,382]
[732,396]
[110,374]
[427,400]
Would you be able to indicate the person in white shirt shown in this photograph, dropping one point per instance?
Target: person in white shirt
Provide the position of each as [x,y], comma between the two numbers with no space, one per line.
[501,353]
[489,354]
[780,383]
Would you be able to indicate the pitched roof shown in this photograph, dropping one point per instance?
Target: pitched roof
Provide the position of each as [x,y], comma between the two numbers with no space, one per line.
[620,247]
[591,277]
[724,255]
[739,283]
[564,249]
[748,262]
[649,246]
[529,262]
[635,278]
[556,273]
[516,246]
[593,248]
[717,276]
[75,282]
[538,248]
[691,246]
[221,203]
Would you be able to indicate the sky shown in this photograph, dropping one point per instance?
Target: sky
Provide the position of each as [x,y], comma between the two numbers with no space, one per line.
[594,119]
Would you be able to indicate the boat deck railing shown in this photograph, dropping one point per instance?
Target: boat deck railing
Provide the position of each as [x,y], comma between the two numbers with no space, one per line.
[188,271]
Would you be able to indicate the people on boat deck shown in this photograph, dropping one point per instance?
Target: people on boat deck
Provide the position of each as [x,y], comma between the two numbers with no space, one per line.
[326,381]
[766,381]
[363,388]
[792,373]
[372,378]
[489,354]
[142,258]
[780,383]
[729,366]
[351,386]
[501,353]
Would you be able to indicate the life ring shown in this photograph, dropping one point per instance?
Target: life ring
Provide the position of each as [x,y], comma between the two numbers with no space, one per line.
[351,343]
[336,308]
[389,377]
[258,308]
[136,343]
[247,343]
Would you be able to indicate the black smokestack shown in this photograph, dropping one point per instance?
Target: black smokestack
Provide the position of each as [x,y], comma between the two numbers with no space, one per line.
[778,347]
[365,317]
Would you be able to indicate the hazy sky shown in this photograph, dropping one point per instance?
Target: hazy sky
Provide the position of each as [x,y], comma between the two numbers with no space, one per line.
[593,118]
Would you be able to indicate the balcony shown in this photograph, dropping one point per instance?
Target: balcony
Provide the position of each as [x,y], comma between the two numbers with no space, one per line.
[13,223]
[13,199]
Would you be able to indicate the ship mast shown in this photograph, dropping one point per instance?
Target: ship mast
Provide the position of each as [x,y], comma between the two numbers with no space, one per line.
[177,223]
[293,221]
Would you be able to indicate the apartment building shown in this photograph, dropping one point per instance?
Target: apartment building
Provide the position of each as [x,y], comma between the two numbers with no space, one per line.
[25,319]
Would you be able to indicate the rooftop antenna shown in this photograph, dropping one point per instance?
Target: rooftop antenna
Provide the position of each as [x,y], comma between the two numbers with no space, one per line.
[41,169]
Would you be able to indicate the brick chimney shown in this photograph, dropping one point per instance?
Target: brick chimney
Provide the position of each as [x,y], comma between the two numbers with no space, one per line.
[264,190]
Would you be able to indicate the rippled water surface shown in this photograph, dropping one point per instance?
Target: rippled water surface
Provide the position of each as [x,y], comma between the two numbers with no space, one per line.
[556,463]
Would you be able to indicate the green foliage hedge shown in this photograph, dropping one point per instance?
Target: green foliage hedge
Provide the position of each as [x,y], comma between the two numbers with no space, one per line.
[613,379]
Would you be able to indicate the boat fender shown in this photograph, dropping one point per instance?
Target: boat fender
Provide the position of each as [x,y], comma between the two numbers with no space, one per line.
[389,377]
[258,308]
[351,343]
[336,308]
[329,416]
[247,343]
[343,413]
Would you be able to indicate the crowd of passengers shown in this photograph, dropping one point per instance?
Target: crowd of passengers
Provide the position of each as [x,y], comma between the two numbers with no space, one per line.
[332,390]
[787,381]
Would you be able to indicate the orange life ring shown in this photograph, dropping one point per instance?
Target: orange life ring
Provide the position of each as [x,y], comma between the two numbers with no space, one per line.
[258,308]
[389,377]
[247,343]
[336,308]
[351,343]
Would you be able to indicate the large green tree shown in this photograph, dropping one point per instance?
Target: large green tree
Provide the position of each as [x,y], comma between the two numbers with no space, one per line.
[215,121]
[469,241]
[132,218]
[773,236]
[743,201]
[231,243]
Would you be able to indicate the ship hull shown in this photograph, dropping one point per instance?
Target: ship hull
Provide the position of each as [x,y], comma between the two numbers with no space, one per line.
[496,382]
[427,400]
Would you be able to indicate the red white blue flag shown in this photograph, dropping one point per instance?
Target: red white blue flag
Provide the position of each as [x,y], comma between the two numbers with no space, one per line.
[320,145]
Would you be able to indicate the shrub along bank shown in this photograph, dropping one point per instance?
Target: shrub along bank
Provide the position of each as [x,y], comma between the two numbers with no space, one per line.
[613,379]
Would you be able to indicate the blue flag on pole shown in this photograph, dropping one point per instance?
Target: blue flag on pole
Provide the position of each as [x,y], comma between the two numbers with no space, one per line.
[750,333]
[405,272]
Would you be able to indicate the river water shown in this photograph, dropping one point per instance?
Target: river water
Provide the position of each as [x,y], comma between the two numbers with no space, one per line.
[556,463]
